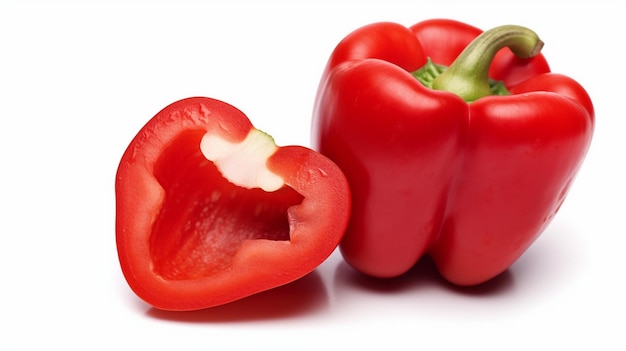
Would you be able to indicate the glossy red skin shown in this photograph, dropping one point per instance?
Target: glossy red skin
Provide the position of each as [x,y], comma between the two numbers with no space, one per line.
[472,185]
[188,239]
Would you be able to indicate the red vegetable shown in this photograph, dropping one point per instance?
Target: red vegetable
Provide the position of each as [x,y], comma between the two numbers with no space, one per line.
[437,163]
[210,210]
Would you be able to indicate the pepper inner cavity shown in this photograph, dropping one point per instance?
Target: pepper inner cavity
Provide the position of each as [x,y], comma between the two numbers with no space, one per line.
[205,218]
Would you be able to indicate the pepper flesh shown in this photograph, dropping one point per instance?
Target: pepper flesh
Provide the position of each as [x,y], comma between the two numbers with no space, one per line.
[470,184]
[189,238]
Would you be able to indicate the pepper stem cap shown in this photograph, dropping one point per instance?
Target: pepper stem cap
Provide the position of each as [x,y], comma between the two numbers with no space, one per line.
[468,75]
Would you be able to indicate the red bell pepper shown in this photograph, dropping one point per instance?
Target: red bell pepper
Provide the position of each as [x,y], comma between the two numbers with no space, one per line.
[442,159]
[209,210]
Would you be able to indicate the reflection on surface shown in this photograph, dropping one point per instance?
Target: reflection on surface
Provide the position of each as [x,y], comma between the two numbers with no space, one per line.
[337,289]
[423,276]
[304,296]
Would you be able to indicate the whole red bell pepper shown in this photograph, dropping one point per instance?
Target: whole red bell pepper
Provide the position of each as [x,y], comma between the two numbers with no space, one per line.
[454,145]
[209,210]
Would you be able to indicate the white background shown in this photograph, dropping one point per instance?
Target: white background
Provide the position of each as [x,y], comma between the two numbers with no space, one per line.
[79,78]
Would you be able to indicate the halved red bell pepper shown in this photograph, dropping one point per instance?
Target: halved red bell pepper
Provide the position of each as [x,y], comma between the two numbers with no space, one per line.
[438,162]
[209,210]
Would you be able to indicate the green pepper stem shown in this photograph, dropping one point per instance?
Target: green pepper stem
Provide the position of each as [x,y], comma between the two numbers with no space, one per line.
[468,76]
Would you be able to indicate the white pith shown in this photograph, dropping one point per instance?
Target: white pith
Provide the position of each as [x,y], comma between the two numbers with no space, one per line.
[243,163]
